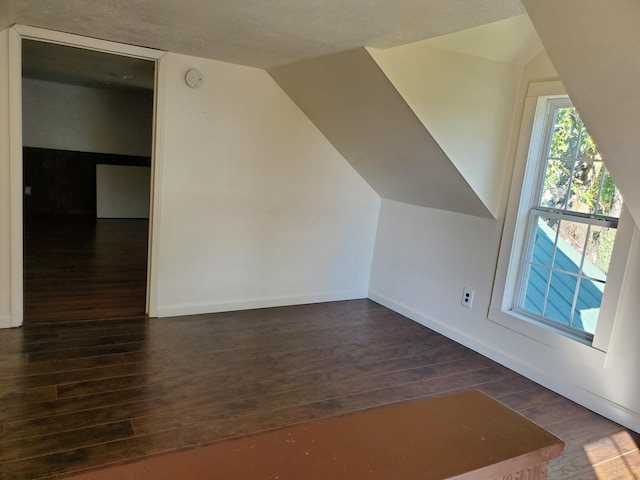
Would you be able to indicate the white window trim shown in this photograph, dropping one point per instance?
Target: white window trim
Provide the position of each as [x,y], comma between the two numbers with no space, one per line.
[511,248]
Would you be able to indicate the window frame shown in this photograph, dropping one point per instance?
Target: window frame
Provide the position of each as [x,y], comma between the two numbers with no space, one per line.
[522,197]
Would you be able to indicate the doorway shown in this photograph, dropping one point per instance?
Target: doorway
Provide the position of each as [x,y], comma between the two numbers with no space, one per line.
[87,130]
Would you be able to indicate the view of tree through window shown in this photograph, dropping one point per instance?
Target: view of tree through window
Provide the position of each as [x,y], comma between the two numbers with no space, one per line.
[572,228]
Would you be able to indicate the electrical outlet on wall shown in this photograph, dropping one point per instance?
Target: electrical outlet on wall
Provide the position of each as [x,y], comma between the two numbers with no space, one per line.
[467,297]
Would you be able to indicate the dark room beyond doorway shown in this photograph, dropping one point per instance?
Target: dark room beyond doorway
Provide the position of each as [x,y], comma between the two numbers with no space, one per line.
[87,133]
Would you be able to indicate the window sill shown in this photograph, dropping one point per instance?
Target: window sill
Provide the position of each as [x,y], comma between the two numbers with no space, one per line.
[547,335]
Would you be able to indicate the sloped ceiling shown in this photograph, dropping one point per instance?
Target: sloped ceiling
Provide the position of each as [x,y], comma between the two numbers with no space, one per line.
[594,46]
[255,32]
[463,100]
[357,108]
[430,134]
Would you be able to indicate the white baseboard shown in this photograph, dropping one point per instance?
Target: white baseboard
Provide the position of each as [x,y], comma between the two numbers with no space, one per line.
[586,398]
[5,321]
[250,304]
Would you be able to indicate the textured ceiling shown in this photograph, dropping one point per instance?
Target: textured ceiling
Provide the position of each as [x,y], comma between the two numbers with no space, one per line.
[257,32]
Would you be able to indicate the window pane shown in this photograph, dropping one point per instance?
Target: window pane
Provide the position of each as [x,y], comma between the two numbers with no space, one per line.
[585,187]
[572,237]
[610,201]
[566,134]
[598,253]
[588,305]
[560,299]
[536,289]
[587,148]
[544,242]
[557,178]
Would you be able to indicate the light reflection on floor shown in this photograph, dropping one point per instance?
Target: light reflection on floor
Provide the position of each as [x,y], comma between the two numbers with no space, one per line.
[626,465]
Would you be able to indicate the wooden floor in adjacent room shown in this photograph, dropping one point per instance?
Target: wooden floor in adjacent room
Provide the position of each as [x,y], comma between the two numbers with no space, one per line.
[78,268]
[85,395]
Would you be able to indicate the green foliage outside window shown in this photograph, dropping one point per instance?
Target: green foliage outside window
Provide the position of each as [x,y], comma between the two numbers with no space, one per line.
[575,177]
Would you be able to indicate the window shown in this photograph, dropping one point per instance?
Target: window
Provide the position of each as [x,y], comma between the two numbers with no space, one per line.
[573,211]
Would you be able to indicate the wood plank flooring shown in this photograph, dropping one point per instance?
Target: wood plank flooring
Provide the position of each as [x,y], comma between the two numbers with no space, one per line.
[78,396]
[78,268]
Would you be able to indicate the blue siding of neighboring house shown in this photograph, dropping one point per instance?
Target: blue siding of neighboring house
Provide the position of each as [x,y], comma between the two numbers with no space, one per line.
[562,287]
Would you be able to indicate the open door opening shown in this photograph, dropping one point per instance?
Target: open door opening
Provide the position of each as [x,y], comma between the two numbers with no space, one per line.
[87,130]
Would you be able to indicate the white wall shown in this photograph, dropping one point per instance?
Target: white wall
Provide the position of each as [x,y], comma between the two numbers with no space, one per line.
[5,213]
[78,118]
[424,258]
[466,103]
[256,207]
[7,14]
[122,191]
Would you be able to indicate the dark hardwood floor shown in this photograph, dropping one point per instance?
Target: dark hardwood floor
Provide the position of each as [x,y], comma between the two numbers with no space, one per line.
[83,395]
[79,268]
[78,392]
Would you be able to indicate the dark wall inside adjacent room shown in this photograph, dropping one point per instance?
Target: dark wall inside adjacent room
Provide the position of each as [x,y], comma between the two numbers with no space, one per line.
[62,182]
